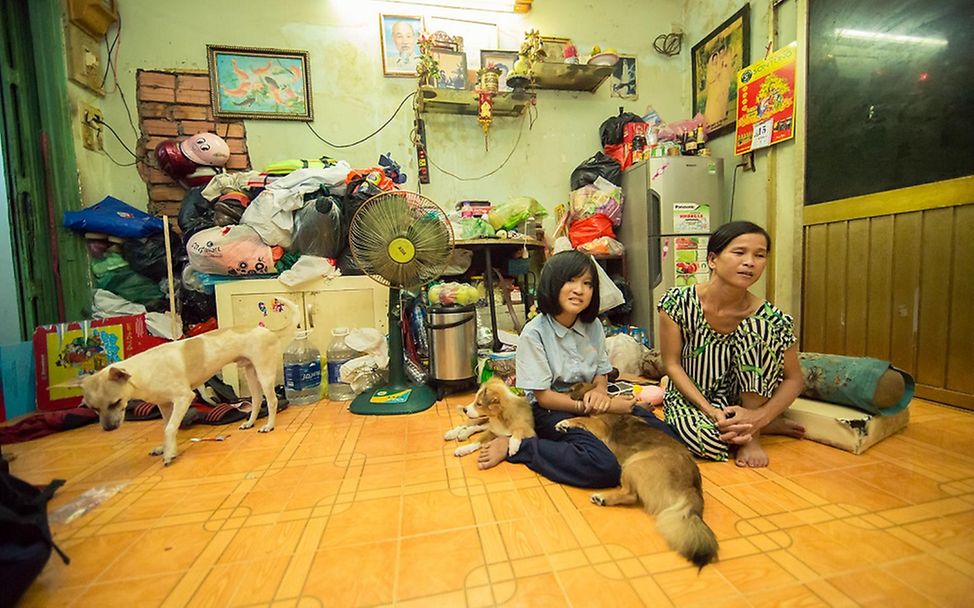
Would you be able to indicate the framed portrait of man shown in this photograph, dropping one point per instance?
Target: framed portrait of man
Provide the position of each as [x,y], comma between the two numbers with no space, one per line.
[716,60]
[399,35]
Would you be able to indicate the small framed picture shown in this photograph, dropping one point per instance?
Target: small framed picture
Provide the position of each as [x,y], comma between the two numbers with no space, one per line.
[501,59]
[554,48]
[399,35]
[453,69]
[247,82]
[624,78]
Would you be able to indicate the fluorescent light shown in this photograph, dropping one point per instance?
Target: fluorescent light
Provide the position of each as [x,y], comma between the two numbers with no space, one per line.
[504,6]
[884,37]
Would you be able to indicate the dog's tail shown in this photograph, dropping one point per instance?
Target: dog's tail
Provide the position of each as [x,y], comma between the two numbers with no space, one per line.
[685,531]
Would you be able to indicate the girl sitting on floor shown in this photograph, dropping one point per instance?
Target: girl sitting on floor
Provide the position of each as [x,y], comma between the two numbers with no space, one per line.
[558,348]
[731,356]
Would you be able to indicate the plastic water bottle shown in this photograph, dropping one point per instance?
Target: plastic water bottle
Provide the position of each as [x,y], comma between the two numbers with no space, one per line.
[302,371]
[338,353]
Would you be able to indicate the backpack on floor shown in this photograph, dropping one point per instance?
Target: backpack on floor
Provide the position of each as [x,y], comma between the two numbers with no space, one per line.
[25,537]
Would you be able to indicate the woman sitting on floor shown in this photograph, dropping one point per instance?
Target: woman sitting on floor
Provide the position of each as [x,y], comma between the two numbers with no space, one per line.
[731,356]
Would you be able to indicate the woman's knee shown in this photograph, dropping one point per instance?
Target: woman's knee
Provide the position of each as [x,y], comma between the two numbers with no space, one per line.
[752,400]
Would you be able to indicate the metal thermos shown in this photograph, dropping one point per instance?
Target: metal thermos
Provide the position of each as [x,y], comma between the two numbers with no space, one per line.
[452,334]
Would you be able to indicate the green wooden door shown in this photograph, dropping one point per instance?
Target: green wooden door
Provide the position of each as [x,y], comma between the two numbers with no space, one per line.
[50,265]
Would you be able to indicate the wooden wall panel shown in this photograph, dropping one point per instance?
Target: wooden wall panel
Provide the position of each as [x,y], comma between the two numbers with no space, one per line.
[960,349]
[906,285]
[857,268]
[879,285]
[816,284]
[936,273]
[835,267]
[898,287]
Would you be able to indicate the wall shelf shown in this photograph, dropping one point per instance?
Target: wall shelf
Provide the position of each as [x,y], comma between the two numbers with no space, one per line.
[569,77]
[548,76]
[452,101]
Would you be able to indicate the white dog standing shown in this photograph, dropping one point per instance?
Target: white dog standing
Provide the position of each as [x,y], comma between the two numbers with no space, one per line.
[167,374]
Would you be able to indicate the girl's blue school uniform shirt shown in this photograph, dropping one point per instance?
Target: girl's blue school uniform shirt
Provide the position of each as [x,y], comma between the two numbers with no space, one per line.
[552,356]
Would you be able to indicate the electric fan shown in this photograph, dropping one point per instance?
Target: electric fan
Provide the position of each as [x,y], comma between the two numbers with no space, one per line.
[401,240]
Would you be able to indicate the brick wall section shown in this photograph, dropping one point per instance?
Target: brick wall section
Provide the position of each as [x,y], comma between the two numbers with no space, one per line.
[173,105]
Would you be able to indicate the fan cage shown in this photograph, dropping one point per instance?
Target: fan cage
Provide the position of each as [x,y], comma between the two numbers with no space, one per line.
[399,214]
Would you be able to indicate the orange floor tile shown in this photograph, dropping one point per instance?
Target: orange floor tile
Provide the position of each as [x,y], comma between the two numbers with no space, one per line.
[334,509]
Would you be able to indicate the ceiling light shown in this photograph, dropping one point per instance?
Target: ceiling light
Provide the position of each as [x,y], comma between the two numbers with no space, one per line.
[506,6]
[885,37]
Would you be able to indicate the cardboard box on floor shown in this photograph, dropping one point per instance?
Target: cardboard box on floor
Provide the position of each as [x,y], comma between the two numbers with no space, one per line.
[67,350]
[843,427]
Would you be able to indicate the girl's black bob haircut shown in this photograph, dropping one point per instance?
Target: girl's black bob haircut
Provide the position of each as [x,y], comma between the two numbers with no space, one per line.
[723,236]
[558,270]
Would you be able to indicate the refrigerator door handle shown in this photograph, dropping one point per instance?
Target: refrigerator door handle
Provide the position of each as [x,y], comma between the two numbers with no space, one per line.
[655,244]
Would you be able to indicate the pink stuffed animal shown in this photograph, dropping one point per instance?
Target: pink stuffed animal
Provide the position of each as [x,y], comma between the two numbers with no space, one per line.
[651,394]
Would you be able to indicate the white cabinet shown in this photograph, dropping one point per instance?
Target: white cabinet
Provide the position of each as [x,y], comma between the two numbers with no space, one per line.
[340,302]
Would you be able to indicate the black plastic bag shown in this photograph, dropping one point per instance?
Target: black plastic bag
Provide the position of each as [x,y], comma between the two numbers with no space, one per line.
[620,314]
[346,263]
[148,256]
[25,536]
[597,166]
[196,307]
[195,214]
[613,128]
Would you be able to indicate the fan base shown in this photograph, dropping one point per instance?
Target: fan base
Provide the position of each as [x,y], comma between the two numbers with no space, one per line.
[392,400]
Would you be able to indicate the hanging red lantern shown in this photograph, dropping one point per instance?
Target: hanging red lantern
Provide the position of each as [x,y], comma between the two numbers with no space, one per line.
[485,115]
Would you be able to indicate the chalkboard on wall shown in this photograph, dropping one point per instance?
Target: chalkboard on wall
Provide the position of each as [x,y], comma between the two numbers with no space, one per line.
[890,95]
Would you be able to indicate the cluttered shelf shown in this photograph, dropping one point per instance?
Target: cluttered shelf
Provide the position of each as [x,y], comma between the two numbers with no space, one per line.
[569,77]
[453,101]
[547,76]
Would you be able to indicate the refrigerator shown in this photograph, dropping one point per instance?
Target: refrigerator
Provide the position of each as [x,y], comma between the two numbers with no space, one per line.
[671,205]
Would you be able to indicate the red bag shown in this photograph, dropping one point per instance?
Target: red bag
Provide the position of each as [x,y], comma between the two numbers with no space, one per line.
[631,131]
[617,153]
[590,228]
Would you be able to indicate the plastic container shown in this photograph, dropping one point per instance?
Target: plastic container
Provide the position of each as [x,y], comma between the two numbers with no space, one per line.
[302,371]
[338,354]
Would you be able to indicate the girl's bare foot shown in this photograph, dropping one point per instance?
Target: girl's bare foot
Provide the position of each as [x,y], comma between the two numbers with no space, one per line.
[784,426]
[493,453]
[751,455]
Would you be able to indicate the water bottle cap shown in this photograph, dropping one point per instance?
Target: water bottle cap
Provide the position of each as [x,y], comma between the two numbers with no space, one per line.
[301,334]
[339,331]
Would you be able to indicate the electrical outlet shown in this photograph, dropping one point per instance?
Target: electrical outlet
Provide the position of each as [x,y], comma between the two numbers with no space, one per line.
[91,130]
[747,161]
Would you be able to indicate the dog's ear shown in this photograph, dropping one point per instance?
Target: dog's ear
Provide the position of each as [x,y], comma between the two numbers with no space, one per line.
[117,374]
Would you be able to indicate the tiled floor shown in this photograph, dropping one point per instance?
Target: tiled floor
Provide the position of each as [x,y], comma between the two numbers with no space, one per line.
[334,509]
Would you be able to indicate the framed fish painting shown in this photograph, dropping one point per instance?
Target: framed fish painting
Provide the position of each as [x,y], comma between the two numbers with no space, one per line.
[250,82]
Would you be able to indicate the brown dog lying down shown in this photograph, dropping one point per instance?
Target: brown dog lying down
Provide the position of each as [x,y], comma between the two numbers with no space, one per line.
[660,472]
[498,412]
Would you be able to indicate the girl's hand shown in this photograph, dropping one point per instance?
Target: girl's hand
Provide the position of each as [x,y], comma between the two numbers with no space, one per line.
[596,402]
[622,404]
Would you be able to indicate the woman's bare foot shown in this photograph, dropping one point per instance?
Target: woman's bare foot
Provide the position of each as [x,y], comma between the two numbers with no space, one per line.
[751,455]
[493,453]
[784,426]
